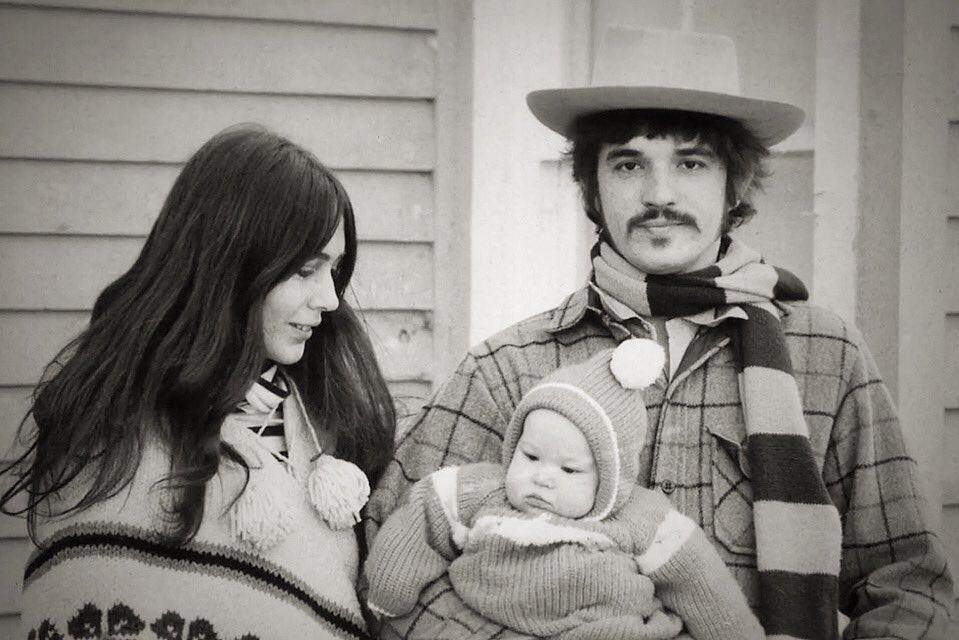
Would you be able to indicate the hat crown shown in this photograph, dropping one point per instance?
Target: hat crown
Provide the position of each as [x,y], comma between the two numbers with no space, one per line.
[630,56]
[642,68]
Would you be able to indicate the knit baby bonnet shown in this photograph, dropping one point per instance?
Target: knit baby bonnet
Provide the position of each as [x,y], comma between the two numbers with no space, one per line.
[602,396]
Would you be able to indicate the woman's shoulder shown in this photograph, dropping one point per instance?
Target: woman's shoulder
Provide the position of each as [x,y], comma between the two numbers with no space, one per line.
[137,503]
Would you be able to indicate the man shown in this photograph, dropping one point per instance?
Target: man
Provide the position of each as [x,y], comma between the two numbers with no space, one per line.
[770,426]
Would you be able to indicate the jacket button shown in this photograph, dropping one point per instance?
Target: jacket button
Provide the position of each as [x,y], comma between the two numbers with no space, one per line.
[667,486]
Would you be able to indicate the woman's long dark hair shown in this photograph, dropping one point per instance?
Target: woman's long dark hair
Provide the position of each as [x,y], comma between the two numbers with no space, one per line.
[175,342]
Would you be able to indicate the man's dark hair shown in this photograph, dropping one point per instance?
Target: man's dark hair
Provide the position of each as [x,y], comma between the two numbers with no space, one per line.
[742,153]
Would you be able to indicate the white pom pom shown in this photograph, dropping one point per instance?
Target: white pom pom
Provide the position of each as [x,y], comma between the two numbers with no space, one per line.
[266,510]
[338,490]
[637,362]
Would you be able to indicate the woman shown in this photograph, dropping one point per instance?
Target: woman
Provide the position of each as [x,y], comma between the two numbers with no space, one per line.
[203,448]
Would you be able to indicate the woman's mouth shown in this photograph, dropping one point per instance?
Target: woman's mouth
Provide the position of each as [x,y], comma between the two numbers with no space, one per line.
[302,328]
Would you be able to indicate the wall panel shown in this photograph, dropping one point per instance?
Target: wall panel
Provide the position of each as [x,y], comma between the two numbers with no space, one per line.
[951,355]
[182,52]
[83,123]
[14,402]
[29,340]
[413,14]
[13,556]
[101,102]
[100,198]
[951,265]
[69,272]
[950,481]
[783,227]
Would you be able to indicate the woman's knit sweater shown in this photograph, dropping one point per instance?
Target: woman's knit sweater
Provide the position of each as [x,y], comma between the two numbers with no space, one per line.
[103,572]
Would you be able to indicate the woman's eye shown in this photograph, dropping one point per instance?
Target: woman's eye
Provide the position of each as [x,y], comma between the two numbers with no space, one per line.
[305,272]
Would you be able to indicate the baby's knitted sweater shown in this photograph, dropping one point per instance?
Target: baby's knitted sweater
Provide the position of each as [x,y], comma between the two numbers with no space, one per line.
[546,575]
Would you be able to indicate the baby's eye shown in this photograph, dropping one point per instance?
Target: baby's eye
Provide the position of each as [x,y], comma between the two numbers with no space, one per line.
[570,470]
[530,456]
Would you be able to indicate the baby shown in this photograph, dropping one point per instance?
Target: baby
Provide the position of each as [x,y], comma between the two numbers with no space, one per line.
[558,540]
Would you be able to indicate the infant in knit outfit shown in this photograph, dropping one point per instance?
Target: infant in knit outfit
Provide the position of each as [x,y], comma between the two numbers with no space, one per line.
[558,540]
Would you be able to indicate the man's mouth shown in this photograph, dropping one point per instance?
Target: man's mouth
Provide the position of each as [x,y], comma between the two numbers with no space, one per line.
[660,219]
[659,223]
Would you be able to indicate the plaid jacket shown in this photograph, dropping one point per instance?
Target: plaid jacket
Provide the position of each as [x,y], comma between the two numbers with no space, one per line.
[894,581]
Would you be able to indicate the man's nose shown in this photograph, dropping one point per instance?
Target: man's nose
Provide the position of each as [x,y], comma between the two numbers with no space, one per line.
[658,189]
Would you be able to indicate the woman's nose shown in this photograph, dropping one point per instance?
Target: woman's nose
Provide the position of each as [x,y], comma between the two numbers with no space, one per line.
[323,294]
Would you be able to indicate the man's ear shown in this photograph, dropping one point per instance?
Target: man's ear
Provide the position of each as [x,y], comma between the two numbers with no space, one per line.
[740,189]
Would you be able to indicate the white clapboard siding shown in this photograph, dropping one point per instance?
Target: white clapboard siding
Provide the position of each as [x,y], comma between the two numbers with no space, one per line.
[9,624]
[783,228]
[13,557]
[97,198]
[184,52]
[29,340]
[951,267]
[101,102]
[407,14]
[950,483]
[69,272]
[85,123]
[93,123]
[14,402]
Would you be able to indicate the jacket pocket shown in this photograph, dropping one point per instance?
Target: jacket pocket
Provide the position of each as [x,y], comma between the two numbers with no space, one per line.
[732,496]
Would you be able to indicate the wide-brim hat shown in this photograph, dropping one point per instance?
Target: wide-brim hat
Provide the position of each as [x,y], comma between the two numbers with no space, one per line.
[641,68]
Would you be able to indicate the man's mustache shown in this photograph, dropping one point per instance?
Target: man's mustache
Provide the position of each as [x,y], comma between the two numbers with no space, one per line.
[666,213]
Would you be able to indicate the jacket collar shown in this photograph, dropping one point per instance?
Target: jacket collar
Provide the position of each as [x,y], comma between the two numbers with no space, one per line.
[573,309]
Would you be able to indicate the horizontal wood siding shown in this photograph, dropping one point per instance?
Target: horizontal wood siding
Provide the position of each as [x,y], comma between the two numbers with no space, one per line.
[400,14]
[29,340]
[68,272]
[151,125]
[208,54]
[116,198]
[101,102]
[950,289]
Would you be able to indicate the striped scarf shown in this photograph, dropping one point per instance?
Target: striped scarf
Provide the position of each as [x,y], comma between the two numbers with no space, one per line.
[264,404]
[798,531]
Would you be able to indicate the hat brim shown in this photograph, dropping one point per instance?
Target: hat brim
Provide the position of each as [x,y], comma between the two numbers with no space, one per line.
[559,109]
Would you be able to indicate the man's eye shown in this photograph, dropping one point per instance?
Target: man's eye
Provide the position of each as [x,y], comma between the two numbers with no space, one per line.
[692,164]
[628,166]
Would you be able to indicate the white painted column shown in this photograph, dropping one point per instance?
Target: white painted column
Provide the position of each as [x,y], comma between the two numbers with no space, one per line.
[836,172]
[526,227]
[925,201]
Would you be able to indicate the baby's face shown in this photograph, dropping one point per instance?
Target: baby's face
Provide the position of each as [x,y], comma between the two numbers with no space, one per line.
[552,469]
